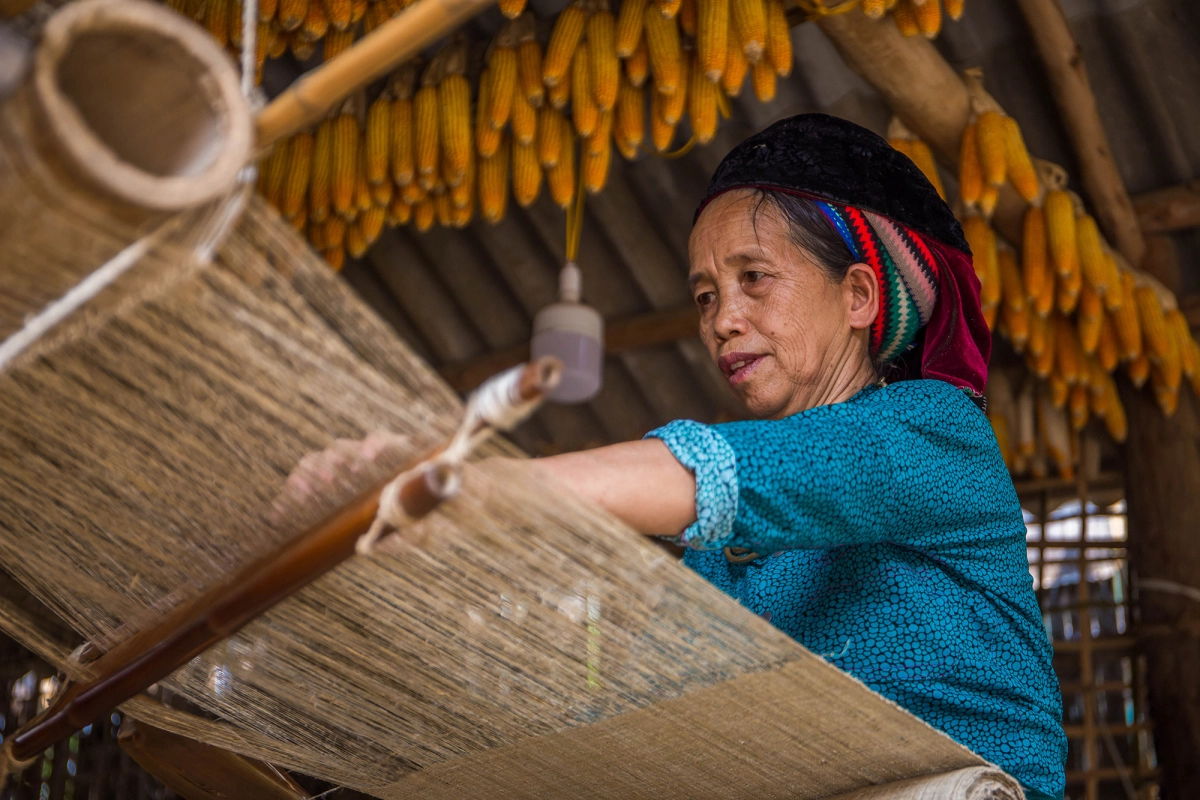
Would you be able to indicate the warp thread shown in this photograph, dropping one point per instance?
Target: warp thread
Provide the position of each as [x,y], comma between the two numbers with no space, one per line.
[497,405]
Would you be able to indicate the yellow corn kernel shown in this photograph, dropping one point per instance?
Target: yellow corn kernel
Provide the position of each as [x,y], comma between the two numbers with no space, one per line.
[335,257]
[512,8]
[1091,253]
[629,26]
[662,43]
[687,17]
[502,72]
[568,29]
[596,164]
[493,183]
[550,136]
[904,14]
[526,174]
[736,67]
[929,18]
[1153,322]
[299,172]
[561,177]
[630,123]
[425,135]
[662,133]
[335,43]
[990,137]
[922,156]
[344,172]
[675,104]
[970,171]
[763,78]
[874,9]
[401,155]
[454,130]
[378,138]
[602,50]
[637,66]
[702,104]
[778,49]
[1107,348]
[399,212]
[529,72]
[1127,322]
[750,27]
[524,120]
[316,23]
[712,37]
[1060,232]
[584,112]
[487,138]
[1021,173]
[274,174]
[424,214]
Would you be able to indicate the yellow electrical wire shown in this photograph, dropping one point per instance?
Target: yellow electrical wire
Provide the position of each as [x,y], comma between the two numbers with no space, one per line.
[575,216]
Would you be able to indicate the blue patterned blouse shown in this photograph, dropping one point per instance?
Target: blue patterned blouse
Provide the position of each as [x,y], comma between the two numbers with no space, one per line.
[894,547]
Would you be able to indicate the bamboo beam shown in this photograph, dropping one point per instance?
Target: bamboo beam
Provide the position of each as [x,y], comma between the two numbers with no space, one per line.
[1073,93]
[389,45]
[1175,208]
[620,336]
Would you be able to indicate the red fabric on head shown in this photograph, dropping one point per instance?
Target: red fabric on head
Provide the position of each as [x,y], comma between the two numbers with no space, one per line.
[957,343]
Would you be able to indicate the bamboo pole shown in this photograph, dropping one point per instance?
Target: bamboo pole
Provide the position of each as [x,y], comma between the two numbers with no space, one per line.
[154,653]
[1077,103]
[392,43]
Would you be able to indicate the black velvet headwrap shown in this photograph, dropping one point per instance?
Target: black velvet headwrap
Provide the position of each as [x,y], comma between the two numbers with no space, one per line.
[832,158]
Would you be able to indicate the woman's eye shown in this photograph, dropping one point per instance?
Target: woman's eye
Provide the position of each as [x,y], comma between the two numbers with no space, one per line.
[752,276]
[705,298]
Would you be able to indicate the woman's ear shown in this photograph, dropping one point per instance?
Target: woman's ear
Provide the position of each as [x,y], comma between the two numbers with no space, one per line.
[862,296]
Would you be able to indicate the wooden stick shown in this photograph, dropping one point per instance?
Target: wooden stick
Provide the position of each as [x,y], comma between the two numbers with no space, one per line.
[1175,208]
[1073,93]
[193,627]
[392,43]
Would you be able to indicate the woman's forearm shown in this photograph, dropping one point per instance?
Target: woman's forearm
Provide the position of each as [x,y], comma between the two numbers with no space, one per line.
[639,482]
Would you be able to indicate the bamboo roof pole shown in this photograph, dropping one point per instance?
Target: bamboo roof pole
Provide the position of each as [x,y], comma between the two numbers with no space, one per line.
[921,88]
[389,45]
[1077,104]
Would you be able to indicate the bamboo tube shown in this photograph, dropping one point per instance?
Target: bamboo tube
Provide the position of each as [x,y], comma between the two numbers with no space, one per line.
[189,630]
[392,43]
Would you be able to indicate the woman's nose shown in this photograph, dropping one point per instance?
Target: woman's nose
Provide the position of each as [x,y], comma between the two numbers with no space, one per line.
[730,321]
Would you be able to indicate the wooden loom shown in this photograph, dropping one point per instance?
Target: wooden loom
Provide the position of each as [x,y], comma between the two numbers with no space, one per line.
[527,646]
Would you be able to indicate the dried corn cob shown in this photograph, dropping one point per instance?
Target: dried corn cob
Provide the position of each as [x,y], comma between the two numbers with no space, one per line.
[338,13]
[602,49]
[1091,253]
[321,172]
[1171,364]
[1060,232]
[584,112]
[778,48]
[267,9]
[712,37]
[1107,349]
[602,136]
[674,105]
[662,43]
[763,78]
[382,193]
[299,172]
[399,212]
[335,43]
[736,67]
[1138,370]
[413,193]
[401,155]
[333,233]
[370,222]
[874,9]
[630,122]
[1154,325]
[335,257]
[302,49]
[975,229]
[922,156]
[1166,395]
[988,199]
[954,9]
[377,14]
[444,209]
[904,14]
[1177,327]
[1018,323]
[493,183]
[596,164]
[1114,416]
[990,135]
[661,132]
[1034,251]
[1090,319]
[669,9]
[277,44]
[344,171]
[454,130]
[561,177]
[1077,406]
[1037,336]
[702,97]
[291,13]
[526,174]
[1044,362]
[1068,292]
[637,66]
[629,26]
[1068,358]
[750,27]
[362,189]
[423,215]
[1127,322]
[568,30]
[970,171]
[378,138]
[1016,314]
[1043,304]
[551,127]
[524,120]
[463,195]
[529,72]
[1021,173]
[216,20]
[425,135]
[929,18]
[358,10]
[316,23]
[502,77]
[560,93]
[687,17]
[1060,390]
[356,241]
[487,138]
[274,173]
[1114,297]
[512,8]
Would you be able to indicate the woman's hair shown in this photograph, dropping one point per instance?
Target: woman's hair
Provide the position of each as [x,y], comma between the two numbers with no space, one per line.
[810,230]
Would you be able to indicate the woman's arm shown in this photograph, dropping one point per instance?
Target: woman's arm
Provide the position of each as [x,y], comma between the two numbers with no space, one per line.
[641,483]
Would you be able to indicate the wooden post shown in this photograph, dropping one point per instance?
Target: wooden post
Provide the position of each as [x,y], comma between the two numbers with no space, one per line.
[1073,93]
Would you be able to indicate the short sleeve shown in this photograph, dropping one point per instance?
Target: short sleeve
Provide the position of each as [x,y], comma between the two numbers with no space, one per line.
[704,451]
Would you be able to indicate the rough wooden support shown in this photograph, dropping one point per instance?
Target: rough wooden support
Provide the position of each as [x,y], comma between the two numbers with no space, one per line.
[1175,208]
[1072,91]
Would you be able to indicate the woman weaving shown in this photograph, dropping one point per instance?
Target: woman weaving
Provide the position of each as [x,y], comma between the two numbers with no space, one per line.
[865,510]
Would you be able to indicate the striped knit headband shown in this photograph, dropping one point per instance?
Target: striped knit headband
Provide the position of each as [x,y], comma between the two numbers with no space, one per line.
[905,268]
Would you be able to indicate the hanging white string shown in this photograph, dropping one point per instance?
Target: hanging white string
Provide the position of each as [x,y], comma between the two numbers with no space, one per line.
[249,45]
[495,406]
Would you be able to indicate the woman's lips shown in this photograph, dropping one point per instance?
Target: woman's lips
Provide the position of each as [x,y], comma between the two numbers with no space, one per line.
[739,366]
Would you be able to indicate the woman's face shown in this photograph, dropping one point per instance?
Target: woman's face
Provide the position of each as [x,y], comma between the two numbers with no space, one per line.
[786,337]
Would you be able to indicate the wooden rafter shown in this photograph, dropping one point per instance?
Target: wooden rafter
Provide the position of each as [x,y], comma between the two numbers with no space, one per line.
[1175,208]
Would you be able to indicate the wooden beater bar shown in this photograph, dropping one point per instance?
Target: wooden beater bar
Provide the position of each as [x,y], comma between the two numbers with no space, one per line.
[193,627]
